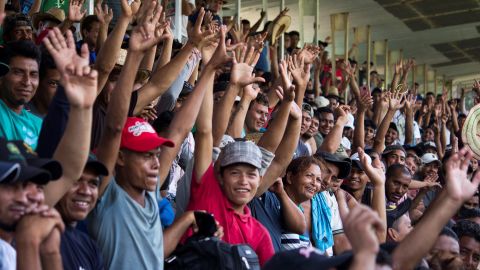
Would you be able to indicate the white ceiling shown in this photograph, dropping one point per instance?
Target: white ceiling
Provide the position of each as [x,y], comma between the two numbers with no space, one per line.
[383,24]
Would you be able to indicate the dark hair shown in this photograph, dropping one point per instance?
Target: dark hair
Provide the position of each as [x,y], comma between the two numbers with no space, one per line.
[394,168]
[87,23]
[163,121]
[261,99]
[22,48]
[449,232]
[10,22]
[324,110]
[430,94]
[466,213]
[46,63]
[294,33]
[245,21]
[467,228]
[376,90]
[369,123]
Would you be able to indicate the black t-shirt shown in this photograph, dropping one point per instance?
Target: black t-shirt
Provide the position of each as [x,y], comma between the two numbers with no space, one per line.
[267,210]
[79,251]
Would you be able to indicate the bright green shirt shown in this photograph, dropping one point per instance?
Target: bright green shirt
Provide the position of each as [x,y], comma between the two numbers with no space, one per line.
[24,126]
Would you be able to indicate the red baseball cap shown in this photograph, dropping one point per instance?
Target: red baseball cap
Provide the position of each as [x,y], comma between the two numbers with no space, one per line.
[138,135]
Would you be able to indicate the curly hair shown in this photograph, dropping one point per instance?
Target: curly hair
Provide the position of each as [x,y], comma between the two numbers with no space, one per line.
[467,228]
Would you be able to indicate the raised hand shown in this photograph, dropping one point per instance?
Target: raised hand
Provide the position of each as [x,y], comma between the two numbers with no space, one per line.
[341,114]
[458,186]
[242,68]
[362,225]
[310,53]
[250,93]
[365,101]
[288,95]
[284,75]
[196,34]
[410,102]
[149,31]
[220,56]
[129,11]
[395,100]
[105,14]
[76,11]
[78,79]
[277,187]
[300,71]
[376,175]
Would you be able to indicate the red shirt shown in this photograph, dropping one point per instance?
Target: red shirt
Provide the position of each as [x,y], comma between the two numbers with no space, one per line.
[237,228]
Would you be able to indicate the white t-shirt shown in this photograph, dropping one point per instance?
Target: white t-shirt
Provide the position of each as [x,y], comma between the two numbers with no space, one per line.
[8,256]
[336,221]
[399,120]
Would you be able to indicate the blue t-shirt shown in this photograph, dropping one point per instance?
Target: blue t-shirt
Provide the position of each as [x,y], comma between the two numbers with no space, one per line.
[79,251]
[267,210]
[129,236]
[24,126]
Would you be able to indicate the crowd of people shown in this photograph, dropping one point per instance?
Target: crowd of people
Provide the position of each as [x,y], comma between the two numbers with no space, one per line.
[118,143]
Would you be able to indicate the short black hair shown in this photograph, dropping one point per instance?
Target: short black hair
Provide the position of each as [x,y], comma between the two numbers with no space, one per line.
[87,23]
[430,94]
[376,90]
[324,110]
[294,33]
[23,48]
[369,123]
[163,121]
[394,168]
[449,232]
[466,213]
[245,21]
[467,228]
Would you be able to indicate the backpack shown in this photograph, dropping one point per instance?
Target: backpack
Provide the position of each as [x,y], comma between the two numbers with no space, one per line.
[210,253]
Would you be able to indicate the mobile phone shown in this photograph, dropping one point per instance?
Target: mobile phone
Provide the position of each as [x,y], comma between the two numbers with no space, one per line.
[206,224]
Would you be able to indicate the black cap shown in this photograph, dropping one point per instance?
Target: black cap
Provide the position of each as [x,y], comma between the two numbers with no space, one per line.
[52,166]
[393,126]
[9,171]
[306,259]
[344,165]
[9,152]
[98,167]
[4,68]
[398,212]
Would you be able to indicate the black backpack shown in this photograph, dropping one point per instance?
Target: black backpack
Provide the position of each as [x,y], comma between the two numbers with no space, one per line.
[210,253]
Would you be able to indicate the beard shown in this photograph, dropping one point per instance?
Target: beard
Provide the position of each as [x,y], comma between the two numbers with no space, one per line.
[306,136]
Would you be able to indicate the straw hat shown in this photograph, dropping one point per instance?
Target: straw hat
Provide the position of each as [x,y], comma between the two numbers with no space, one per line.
[471,131]
[278,27]
[53,14]
[333,92]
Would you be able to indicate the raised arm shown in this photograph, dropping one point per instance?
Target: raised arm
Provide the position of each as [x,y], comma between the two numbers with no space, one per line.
[257,24]
[394,104]
[163,77]
[241,76]
[145,35]
[107,56]
[332,141]
[79,81]
[458,190]
[198,106]
[364,102]
[271,139]
[236,125]
[409,114]
[105,16]
[301,74]
[284,153]
[75,14]
[377,178]
[203,133]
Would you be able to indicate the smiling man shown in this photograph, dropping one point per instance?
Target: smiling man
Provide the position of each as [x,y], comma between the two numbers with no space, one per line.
[257,114]
[17,87]
[78,250]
